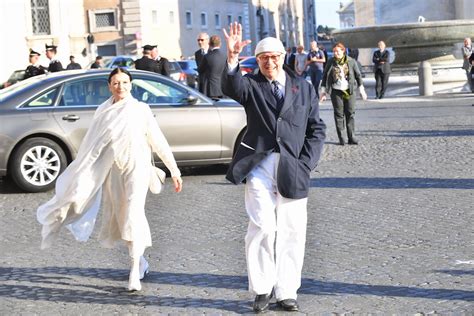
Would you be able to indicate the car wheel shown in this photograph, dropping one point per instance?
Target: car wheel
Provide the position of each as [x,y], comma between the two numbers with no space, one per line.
[36,164]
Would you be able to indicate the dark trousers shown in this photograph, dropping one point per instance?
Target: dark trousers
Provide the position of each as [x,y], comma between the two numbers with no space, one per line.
[381,81]
[344,111]
[316,76]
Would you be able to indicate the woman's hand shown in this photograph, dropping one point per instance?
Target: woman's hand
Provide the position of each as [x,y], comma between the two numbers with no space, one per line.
[178,184]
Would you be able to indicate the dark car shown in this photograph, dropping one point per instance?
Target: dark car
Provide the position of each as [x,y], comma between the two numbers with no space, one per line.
[190,69]
[248,65]
[45,118]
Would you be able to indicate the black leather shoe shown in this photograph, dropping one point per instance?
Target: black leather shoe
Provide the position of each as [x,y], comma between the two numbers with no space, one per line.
[289,305]
[262,302]
[341,141]
[353,141]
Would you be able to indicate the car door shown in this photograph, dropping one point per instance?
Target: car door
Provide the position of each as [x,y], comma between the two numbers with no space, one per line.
[192,130]
[77,103]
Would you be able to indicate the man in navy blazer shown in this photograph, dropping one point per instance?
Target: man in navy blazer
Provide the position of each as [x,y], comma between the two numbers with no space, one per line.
[382,70]
[283,143]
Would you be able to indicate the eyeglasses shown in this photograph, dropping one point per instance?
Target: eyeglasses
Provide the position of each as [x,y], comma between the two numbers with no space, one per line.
[265,58]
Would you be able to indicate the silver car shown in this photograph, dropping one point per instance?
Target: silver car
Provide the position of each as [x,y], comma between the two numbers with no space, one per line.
[44,119]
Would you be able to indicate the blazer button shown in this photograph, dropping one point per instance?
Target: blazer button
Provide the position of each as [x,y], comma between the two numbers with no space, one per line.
[279,119]
[278,139]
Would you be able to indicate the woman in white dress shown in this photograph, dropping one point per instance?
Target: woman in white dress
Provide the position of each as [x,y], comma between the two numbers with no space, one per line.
[114,165]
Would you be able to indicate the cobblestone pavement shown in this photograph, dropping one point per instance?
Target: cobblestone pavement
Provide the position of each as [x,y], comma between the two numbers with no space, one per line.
[390,231]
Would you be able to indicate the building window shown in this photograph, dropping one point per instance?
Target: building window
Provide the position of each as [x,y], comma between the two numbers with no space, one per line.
[240,19]
[203,19]
[154,17]
[107,50]
[171,16]
[189,19]
[229,19]
[103,20]
[217,20]
[40,17]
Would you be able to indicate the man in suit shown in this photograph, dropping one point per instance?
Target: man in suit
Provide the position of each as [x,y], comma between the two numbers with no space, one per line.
[290,58]
[382,70]
[54,64]
[203,42]
[162,62]
[98,63]
[146,62]
[283,143]
[211,67]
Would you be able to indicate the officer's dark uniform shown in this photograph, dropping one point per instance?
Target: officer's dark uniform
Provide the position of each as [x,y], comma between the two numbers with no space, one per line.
[34,70]
[54,65]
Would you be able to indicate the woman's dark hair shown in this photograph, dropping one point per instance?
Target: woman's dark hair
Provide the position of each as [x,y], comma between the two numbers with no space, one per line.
[119,70]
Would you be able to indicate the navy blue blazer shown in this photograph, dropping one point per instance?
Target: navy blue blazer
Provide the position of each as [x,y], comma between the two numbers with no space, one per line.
[297,131]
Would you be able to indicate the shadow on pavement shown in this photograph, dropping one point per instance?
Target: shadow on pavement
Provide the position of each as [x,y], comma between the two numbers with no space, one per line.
[391,183]
[420,133]
[68,289]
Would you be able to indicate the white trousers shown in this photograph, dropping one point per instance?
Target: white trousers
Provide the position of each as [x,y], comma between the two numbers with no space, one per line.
[276,235]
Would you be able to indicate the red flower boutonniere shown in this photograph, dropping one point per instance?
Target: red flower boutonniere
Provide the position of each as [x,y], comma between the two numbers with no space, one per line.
[295,89]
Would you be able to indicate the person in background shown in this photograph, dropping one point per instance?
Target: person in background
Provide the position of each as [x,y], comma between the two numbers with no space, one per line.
[382,70]
[163,63]
[290,58]
[73,65]
[466,54]
[34,68]
[300,61]
[146,62]
[203,42]
[315,61]
[471,74]
[113,165]
[211,67]
[54,64]
[283,143]
[340,79]
[98,63]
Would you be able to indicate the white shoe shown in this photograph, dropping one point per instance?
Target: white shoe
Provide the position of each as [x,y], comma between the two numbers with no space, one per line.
[143,267]
[134,282]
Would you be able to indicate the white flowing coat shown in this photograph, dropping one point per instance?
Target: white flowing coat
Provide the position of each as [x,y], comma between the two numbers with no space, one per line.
[113,162]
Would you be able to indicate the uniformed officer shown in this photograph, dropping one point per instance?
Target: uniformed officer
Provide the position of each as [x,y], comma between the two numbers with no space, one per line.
[34,68]
[146,62]
[54,64]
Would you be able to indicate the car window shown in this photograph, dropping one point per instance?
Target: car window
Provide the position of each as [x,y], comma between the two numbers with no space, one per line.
[155,92]
[85,93]
[122,62]
[45,99]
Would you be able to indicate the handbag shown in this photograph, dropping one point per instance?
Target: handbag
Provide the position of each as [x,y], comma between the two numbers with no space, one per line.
[157,178]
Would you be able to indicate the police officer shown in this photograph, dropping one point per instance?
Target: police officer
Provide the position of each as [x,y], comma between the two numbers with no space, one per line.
[146,62]
[54,64]
[34,69]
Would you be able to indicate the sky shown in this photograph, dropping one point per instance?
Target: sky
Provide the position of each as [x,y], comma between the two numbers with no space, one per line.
[326,12]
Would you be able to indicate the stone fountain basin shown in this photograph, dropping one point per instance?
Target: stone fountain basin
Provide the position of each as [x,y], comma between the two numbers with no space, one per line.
[412,42]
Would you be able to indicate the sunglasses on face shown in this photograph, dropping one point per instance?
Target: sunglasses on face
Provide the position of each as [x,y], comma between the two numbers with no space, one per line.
[200,40]
[266,58]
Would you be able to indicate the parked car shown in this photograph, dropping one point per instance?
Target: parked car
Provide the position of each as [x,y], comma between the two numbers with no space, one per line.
[248,65]
[45,118]
[176,72]
[16,76]
[190,69]
[123,61]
